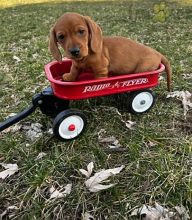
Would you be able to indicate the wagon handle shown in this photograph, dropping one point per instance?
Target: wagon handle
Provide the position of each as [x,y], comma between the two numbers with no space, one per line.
[13,120]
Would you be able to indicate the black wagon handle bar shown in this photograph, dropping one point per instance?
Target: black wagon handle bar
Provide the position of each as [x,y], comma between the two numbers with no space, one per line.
[13,120]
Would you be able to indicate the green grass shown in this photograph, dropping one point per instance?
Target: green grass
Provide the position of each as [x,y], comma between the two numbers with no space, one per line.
[152,173]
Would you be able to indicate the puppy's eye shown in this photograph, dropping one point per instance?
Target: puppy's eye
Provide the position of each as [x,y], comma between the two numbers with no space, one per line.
[81,32]
[60,37]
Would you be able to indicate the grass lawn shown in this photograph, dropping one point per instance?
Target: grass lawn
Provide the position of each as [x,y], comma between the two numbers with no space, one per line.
[156,154]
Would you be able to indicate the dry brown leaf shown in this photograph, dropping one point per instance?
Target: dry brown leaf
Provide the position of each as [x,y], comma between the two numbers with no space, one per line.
[33,131]
[9,208]
[40,155]
[55,194]
[185,97]
[17,59]
[10,170]
[130,124]
[89,170]
[94,182]
[13,128]
[111,141]
[158,212]
[87,216]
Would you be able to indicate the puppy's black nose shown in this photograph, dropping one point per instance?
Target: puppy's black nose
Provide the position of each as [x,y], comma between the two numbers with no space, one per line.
[74,51]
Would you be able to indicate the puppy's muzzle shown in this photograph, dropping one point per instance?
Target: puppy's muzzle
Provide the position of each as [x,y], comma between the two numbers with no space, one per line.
[75,51]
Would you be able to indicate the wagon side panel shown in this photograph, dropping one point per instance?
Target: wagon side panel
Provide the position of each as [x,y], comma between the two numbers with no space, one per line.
[107,87]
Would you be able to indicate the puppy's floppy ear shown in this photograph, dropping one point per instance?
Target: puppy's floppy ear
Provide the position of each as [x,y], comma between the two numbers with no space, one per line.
[95,35]
[53,46]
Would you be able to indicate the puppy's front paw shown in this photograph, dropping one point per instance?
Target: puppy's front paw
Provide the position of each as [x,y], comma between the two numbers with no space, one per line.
[68,77]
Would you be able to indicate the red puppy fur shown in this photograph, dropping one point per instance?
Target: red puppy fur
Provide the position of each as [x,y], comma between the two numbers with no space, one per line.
[82,40]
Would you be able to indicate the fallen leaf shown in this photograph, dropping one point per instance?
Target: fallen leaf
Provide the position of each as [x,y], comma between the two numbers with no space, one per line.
[187,76]
[161,78]
[130,124]
[33,131]
[35,55]
[158,212]
[111,141]
[54,193]
[87,216]
[17,59]
[94,182]
[115,145]
[9,208]
[40,155]
[185,97]
[151,143]
[12,207]
[13,129]
[11,115]
[101,133]
[107,139]
[50,131]
[161,209]
[10,170]
[89,170]
[182,212]
[150,213]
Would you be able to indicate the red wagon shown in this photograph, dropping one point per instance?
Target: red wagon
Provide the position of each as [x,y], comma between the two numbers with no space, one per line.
[70,123]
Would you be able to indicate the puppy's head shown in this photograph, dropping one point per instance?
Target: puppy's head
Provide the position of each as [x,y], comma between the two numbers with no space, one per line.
[78,36]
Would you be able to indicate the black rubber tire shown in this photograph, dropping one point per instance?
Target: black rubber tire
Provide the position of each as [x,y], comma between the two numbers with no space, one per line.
[134,95]
[64,115]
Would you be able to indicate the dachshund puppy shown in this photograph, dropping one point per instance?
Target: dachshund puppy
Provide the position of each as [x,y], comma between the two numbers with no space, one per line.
[82,40]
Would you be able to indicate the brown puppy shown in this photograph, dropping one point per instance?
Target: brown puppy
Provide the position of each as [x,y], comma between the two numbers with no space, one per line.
[82,40]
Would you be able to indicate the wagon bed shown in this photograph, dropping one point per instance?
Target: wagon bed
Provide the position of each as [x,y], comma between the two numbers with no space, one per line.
[87,87]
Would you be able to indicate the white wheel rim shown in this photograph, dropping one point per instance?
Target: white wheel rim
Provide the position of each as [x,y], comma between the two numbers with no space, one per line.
[142,102]
[71,127]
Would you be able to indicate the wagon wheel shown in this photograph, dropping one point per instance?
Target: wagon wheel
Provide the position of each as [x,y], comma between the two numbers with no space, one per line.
[69,124]
[141,101]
